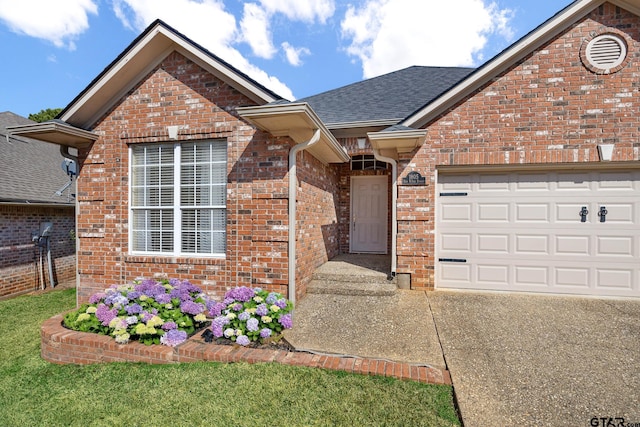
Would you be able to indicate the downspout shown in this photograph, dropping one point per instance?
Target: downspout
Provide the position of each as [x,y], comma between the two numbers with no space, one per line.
[394,207]
[64,151]
[293,191]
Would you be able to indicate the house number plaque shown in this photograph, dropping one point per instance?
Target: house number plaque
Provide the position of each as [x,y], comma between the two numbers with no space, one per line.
[414,178]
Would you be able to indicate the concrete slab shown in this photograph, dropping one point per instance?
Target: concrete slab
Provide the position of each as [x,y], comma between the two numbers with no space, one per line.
[519,359]
[397,328]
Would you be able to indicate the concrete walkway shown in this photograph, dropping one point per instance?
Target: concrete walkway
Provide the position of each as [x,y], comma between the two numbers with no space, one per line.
[398,328]
[520,359]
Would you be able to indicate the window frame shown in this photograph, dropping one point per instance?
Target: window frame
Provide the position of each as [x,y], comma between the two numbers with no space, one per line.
[177,207]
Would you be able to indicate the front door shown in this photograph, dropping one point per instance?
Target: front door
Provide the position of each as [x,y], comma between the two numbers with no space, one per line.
[369,214]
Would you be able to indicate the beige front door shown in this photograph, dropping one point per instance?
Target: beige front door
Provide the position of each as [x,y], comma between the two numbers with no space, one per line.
[573,232]
[369,214]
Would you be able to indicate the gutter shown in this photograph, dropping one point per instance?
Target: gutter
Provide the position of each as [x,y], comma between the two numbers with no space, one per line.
[394,207]
[293,191]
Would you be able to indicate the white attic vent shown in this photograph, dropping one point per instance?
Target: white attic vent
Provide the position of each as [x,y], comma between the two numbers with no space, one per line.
[606,52]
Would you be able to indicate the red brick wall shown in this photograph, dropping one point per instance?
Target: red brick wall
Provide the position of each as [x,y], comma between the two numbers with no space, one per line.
[20,257]
[548,108]
[178,92]
[317,234]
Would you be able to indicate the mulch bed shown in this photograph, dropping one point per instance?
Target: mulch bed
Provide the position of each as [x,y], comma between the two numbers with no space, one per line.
[280,344]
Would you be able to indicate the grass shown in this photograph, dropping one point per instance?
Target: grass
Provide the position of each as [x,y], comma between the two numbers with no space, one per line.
[34,392]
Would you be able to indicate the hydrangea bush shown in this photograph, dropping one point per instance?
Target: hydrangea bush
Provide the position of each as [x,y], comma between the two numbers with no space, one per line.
[152,312]
[250,314]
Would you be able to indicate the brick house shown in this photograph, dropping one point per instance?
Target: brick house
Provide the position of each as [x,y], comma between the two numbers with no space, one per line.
[30,176]
[520,175]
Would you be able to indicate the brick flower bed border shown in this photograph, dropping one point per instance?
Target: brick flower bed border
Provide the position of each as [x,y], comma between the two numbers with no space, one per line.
[63,346]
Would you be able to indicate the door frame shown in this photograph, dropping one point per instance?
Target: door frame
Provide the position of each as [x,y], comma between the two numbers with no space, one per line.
[354,179]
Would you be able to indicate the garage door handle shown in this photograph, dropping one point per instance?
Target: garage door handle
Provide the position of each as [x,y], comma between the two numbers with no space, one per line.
[583,213]
[603,213]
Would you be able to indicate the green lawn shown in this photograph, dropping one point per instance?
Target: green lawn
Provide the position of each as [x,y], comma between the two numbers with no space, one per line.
[34,392]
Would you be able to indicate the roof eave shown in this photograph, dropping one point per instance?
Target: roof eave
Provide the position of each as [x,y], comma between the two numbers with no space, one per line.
[297,121]
[140,58]
[402,141]
[56,133]
[509,57]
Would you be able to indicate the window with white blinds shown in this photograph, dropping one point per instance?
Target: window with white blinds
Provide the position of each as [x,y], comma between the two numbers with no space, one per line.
[178,198]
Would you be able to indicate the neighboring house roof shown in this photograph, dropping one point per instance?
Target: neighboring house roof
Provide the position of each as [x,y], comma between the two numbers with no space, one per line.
[384,100]
[142,56]
[30,170]
[515,53]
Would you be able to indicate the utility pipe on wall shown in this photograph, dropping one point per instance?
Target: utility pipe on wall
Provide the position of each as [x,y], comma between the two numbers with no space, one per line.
[293,192]
[394,209]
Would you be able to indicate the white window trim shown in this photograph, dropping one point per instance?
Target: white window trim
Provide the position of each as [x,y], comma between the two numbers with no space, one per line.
[177,212]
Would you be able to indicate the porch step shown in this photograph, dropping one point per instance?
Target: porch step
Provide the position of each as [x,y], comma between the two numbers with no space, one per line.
[357,288]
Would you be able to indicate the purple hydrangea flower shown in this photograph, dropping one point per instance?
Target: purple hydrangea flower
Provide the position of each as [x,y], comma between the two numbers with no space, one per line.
[173,337]
[241,293]
[105,314]
[169,326]
[282,303]
[243,340]
[265,333]
[286,321]
[227,301]
[216,309]
[262,310]
[150,288]
[146,316]
[218,324]
[190,307]
[244,316]
[237,307]
[163,299]
[252,324]
[174,282]
[132,295]
[96,298]
[272,298]
[133,309]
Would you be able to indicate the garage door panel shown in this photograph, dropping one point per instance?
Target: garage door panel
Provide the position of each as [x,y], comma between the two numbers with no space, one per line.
[524,231]
[493,212]
[493,274]
[619,246]
[531,244]
[572,245]
[528,275]
[532,212]
[493,243]
[456,212]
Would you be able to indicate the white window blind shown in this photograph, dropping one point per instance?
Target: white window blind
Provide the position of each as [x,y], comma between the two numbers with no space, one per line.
[178,198]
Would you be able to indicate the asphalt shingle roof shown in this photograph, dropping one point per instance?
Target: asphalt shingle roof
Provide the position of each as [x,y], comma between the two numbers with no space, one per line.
[30,170]
[391,96]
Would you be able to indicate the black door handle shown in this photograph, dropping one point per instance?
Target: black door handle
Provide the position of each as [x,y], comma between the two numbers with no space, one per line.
[603,214]
[583,214]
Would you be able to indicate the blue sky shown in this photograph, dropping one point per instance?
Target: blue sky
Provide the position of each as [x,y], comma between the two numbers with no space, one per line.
[295,47]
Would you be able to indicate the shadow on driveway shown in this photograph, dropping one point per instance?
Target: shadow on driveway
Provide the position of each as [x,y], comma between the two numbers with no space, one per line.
[519,359]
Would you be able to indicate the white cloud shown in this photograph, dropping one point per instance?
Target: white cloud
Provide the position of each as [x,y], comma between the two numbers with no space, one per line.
[56,23]
[301,10]
[294,53]
[256,32]
[387,35]
[204,21]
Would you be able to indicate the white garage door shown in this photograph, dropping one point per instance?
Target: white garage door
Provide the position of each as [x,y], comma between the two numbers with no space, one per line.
[559,232]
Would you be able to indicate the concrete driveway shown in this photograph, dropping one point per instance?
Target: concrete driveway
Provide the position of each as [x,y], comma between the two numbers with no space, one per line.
[520,359]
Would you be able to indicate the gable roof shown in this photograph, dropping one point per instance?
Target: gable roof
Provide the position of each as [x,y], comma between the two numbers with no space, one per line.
[509,57]
[30,170]
[384,100]
[154,44]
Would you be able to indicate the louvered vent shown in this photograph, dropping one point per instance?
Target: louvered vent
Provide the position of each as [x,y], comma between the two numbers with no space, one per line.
[606,52]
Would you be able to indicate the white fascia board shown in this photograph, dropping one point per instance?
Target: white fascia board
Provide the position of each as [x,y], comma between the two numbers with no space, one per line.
[503,61]
[265,115]
[363,124]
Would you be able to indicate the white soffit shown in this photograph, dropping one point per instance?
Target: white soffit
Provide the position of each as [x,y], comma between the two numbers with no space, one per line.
[402,141]
[510,56]
[297,121]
